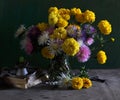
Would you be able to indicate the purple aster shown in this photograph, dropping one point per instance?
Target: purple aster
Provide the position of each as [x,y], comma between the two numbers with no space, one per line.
[73,31]
[88,31]
[84,54]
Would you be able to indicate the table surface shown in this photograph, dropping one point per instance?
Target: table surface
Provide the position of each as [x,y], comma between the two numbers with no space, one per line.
[108,90]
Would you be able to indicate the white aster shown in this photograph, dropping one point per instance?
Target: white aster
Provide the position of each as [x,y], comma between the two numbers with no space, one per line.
[23,43]
[64,80]
[80,42]
[42,39]
[20,30]
[54,47]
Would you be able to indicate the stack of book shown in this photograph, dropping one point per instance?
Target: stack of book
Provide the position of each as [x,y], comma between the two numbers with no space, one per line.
[17,82]
[23,83]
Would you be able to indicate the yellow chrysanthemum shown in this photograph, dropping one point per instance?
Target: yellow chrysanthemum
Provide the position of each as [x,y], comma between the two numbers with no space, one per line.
[66,16]
[101,57]
[59,33]
[52,19]
[80,18]
[42,26]
[89,16]
[53,9]
[75,11]
[105,27]
[70,46]
[77,83]
[64,13]
[62,22]
[46,53]
[87,83]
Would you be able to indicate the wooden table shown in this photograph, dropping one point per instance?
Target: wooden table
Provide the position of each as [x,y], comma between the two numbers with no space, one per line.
[108,90]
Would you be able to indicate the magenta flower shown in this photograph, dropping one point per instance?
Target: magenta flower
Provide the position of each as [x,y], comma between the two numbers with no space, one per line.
[89,41]
[33,33]
[84,54]
[28,47]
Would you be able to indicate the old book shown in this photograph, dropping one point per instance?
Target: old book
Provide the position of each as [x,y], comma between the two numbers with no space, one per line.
[16,82]
[23,83]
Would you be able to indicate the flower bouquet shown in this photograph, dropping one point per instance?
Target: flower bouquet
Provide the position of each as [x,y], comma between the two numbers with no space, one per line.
[68,32]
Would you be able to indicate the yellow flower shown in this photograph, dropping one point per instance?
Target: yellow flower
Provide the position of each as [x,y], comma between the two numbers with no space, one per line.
[52,18]
[80,18]
[53,9]
[66,17]
[89,16]
[46,53]
[64,13]
[70,46]
[75,11]
[59,33]
[62,22]
[77,83]
[112,39]
[42,26]
[101,57]
[105,27]
[87,83]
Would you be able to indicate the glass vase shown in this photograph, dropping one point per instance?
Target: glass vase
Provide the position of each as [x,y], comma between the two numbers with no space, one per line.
[58,66]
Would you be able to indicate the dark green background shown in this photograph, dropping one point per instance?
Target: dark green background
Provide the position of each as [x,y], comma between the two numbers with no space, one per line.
[16,12]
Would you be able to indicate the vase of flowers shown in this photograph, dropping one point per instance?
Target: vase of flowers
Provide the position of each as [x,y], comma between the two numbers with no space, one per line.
[59,64]
[68,32]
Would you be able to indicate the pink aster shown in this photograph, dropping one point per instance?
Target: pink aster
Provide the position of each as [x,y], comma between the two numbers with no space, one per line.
[89,41]
[27,45]
[84,54]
